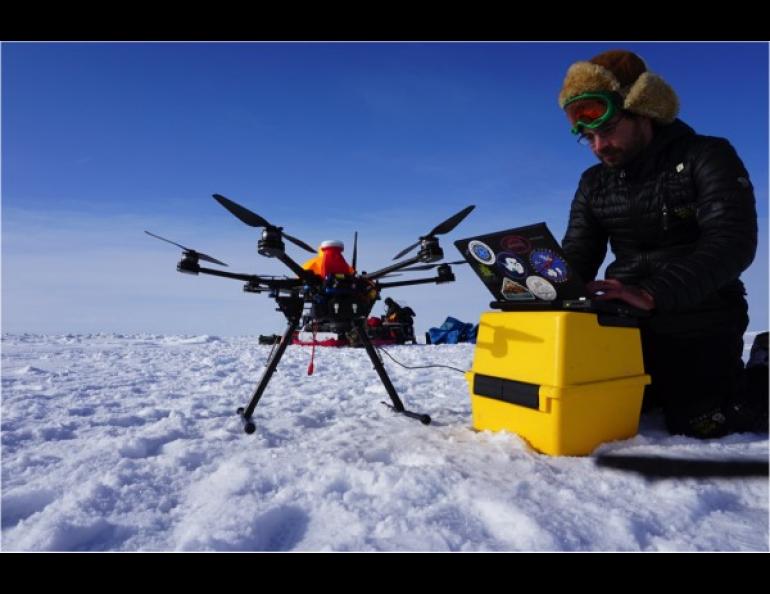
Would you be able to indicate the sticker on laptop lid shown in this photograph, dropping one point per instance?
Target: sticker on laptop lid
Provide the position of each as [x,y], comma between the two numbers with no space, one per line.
[549,265]
[511,265]
[487,274]
[541,288]
[481,252]
[513,291]
[516,243]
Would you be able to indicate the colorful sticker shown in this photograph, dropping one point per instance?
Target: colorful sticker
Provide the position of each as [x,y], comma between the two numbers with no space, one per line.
[550,265]
[516,243]
[487,272]
[481,252]
[513,291]
[511,265]
[541,288]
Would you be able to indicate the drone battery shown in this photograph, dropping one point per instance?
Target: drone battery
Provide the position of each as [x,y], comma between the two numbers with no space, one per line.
[558,379]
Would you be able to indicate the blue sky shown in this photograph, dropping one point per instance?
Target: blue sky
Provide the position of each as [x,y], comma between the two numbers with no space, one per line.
[101,141]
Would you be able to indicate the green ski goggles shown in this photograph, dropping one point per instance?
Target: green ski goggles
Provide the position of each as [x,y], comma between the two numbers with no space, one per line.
[590,110]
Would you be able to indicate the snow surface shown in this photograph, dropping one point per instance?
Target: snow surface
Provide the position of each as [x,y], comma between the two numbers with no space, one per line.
[130,442]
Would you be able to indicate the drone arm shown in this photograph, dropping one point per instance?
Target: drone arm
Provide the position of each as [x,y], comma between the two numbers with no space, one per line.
[422,281]
[392,268]
[445,275]
[191,266]
[234,275]
[303,274]
[252,280]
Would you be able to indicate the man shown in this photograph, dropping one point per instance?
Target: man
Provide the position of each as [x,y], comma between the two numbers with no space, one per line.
[403,316]
[678,211]
[396,313]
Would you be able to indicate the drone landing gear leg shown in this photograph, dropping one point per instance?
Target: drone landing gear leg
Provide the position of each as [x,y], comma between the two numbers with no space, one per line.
[248,424]
[398,406]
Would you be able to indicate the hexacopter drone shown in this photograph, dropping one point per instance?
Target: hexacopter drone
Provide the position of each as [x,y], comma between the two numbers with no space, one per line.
[335,293]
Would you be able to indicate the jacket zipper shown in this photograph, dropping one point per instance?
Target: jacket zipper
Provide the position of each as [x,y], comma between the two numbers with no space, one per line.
[657,192]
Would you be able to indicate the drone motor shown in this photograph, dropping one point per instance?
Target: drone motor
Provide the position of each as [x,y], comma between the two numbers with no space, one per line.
[271,244]
[430,251]
[188,264]
[445,274]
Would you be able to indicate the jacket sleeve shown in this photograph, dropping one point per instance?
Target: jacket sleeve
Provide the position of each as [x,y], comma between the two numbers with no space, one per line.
[585,242]
[727,221]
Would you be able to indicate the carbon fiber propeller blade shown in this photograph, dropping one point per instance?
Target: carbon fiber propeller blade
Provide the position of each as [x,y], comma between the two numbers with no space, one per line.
[440,229]
[298,242]
[199,255]
[244,214]
[406,250]
[452,221]
[252,219]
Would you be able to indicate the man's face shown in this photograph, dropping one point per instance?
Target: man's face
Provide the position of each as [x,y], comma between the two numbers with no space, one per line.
[619,141]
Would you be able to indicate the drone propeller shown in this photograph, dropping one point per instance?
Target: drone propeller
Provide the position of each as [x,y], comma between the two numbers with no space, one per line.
[439,229]
[434,265]
[254,220]
[355,250]
[188,251]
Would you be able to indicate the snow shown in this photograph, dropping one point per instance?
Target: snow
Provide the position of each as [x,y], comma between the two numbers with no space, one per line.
[117,442]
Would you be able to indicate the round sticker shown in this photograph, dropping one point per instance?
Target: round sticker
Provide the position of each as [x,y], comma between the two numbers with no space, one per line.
[549,265]
[541,288]
[516,243]
[481,251]
[511,265]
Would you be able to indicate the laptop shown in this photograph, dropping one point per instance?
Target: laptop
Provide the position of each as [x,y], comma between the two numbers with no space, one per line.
[525,269]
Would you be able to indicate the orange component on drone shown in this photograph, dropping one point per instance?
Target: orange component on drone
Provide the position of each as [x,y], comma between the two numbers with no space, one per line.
[329,260]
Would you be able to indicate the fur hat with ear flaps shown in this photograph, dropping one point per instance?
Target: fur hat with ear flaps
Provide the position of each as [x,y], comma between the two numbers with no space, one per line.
[625,73]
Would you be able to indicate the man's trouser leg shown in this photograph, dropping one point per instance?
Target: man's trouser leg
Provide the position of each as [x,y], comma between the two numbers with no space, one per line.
[697,371]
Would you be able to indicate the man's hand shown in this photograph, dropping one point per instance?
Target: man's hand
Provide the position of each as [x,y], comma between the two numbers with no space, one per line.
[610,288]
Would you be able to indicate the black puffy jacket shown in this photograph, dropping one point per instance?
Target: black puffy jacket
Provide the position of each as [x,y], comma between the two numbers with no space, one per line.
[681,220]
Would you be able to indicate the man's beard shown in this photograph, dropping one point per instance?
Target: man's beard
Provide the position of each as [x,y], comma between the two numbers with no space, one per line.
[615,157]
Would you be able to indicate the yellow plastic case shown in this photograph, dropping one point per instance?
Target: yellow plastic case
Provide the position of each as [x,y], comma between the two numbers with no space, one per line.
[559,379]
